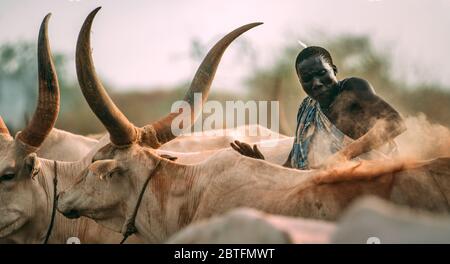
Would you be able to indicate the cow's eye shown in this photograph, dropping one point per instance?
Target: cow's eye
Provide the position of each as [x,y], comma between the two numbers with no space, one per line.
[113,172]
[7,177]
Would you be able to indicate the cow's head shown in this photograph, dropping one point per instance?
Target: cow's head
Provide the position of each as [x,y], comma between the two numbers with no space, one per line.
[107,190]
[21,194]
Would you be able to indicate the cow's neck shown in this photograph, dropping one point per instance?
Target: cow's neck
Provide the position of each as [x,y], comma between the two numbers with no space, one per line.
[45,180]
[63,227]
[170,201]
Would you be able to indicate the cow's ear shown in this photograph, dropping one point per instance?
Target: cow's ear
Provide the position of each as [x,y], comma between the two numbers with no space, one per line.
[32,165]
[105,168]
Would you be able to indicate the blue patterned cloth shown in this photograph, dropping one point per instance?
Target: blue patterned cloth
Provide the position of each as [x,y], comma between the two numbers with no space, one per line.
[314,128]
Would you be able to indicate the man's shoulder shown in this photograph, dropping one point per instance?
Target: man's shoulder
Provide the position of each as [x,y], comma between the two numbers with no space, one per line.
[356,85]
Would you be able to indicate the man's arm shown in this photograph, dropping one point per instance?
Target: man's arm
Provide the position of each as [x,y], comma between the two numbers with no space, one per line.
[388,124]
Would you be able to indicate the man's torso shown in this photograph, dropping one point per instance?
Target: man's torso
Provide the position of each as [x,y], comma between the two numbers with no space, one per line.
[348,114]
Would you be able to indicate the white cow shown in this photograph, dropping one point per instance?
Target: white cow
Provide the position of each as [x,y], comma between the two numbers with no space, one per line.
[369,220]
[220,138]
[373,220]
[246,225]
[275,151]
[65,146]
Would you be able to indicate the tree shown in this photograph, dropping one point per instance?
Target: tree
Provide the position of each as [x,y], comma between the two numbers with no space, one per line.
[19,83]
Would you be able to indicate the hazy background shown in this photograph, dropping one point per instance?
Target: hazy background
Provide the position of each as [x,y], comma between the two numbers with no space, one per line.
[147,51]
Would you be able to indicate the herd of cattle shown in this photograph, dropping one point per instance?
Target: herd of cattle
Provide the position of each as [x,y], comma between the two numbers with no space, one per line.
[145,183]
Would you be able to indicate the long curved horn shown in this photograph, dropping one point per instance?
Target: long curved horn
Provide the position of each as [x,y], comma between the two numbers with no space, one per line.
[121,131]
[200,84]
[3,127]
[47,108]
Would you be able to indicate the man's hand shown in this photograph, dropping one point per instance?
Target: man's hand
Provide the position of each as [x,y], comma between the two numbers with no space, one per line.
[246,150]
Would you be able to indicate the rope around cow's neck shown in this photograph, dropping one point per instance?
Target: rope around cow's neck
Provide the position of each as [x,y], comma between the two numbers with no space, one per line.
[52,220]
[130,223]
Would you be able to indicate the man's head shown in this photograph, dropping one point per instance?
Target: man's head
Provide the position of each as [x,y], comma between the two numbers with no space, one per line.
[316,72]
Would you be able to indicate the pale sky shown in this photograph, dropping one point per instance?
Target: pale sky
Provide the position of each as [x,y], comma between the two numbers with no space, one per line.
[144,44]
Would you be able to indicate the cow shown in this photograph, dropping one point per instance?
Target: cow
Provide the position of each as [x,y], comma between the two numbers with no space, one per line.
[274,150]
[129,188]
[28,184]
[179,194]
[373,220]
[220,138]
[250,226]
[367,220]
[65,146]
[199,146]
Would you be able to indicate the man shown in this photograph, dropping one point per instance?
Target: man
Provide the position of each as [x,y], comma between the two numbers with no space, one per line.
[338,120]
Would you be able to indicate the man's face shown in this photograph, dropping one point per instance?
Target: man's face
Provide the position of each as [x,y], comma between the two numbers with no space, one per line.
[317,78]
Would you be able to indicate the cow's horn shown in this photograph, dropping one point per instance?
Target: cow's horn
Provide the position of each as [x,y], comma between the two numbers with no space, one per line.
[121,131]
[200,84]
[3,127]
[47,109]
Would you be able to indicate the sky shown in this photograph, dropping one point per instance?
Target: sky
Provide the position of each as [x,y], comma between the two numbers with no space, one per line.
[144,44]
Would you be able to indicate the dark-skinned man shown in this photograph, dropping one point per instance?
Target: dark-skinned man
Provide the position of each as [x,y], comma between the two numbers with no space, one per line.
[338,120]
